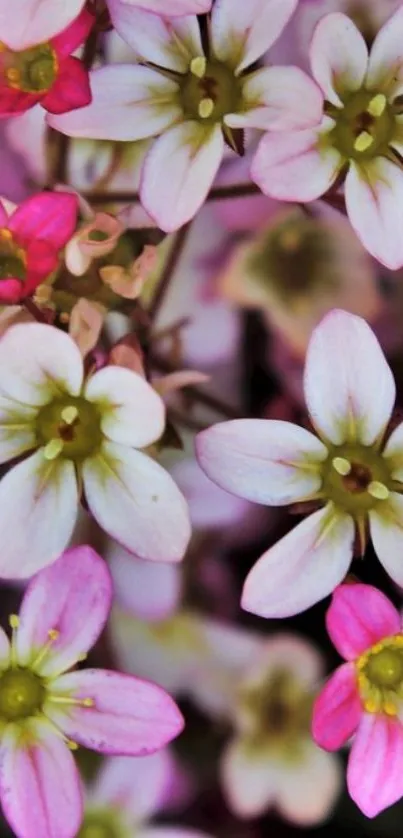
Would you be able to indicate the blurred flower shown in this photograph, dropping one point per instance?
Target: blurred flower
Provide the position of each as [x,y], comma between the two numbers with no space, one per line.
[346,471]
[165,7]
[86,429]
[45,710]
[360,130]
[364,695]
[96,238]
[36,21]
[128,282]
[85,324]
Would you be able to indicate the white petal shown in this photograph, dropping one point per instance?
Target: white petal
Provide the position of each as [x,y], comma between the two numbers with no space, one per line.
[386,525]
[386,57]
[344,360]
[17,429]
[308,788]
[393,453]
[174,7]
[38,510]
[148,590]
[279,99]
[302,568]
[36,21]
[136,502]
[339,56]
[173,193]
[132,412]
[129,103]
[250,778]
[242,32]
[374,200]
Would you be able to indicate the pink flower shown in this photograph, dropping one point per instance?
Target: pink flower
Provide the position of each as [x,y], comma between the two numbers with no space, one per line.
[364,695]
[81,435]
[45,71]
[193,102]
[36,21]
[167,8]
[45,709]
[355,477]
[360,132]
[31,237]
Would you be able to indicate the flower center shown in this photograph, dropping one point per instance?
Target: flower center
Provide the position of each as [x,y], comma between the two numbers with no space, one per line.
[32,70]
[21,694]
[209,91]
[12,258]
[277,710]
[355,478]
[364,126]
[69,427]
[380,676]
[101,825]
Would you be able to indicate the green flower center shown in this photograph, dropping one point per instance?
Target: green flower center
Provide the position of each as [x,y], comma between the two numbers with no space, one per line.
[380,676]
[32,70]
[209,91]
[21,694]
[364,127]
[69,427]
[103,824]
[355,478]
[12,257]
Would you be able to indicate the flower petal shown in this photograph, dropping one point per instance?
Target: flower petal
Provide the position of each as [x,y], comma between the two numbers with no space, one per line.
[74,35]
[375,767]
[386,526]
[132,412]
[374,201]
[250,779]
[173,194]
[72,597]
[149,590]
[309,787]
[262,460]
[293,167]
[17,429]
[337,709]
[33,492]
[302,568]
[385,61]
[71,89]
[38,362]
[173,7]
[343,360]
[242,32]
[339,57]
[34,24]
[40,787]
[393,453]
[128,103]
[279,99]
[139,785]
[360,616]
[130,717]
[136,502]
[48,216]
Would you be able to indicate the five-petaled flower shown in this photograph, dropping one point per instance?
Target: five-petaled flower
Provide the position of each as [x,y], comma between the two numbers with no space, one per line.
[361,133]
[192,99]
[31,237]
[83,432]
[355,477]
[45,710]
[365,695]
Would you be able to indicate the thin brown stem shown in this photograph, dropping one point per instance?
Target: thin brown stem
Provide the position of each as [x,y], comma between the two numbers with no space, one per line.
[164,365]
[219,193]
[36,312]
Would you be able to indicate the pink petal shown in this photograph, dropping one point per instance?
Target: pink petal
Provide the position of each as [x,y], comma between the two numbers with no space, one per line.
[34,22]
[242,32]
[136,502]
[385,61]
[15,102]
[73,597]
[130,717]
[374,201]
[386,527]
[148,590]
[74,35]
[360,616]
[49,216]
[42,260]
[339,57]
[375,767]
[132,412]
[279,99]
[261,460]
[337,709]
[71,89]
[173,194]
[137,784]
[3,216]
[309,787]
[40,788]
[294,168]
[173,7]
[302,568]
[12,290]
[128,103]
[343,360]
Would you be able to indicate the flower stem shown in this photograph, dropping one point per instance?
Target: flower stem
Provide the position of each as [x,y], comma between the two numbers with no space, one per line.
[219,193]
[36,312]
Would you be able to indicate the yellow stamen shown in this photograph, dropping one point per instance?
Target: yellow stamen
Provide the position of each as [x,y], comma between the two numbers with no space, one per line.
[71,745]
[378,490]
[13,74]
[5,233]
[53,634]
[341,465]
[198,66]
[69,414]
[372,705]
[206,107]
[377,105]
[389,708]
[53,448]
[363,142]
[14,621]
[65,699]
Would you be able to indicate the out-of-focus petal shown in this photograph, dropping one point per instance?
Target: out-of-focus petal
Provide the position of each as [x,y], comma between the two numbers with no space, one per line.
[49,216]
[337,710]
[279,99]
[375,766]
[149,590]
[137,784]
[385,61]
[374,201]
[35,23]
[360,616]
[339,57]
[308,790]
[250,779]
[386,526]
[173,7]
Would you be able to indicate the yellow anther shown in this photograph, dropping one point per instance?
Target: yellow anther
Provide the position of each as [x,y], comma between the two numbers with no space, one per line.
[377,648]
[64,317]
[72,745]
[53,634]
[53,448]
[341,465]
[82,658]
[69,414]
[363,142]
[2,47]
[206,107]
[198,66]
[389,707]
[14,621]
[43,294]
[377,105]
[5,233]
[88,702]
[378,490]
[372,705]
[13,74]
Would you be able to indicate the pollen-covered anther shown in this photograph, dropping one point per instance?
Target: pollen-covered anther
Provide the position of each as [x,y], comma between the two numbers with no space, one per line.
[14,621]
[206,107]
[363,142]
[378,490]
[53,448]
[377,105]
[13,75]
[5,233]
[198,66]
[342,466]
[69,414]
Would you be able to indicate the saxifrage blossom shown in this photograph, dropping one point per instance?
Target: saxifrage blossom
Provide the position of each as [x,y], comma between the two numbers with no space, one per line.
[45,710]
[84,433]
[31,237]
[364,696]
[361,133]
[35,21]
[193,100]
[355,477]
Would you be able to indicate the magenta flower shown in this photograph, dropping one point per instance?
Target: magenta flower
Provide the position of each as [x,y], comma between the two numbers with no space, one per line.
[355,478]
[364,695]
[31,237]
[45,72]
[361,132]
[46,710]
